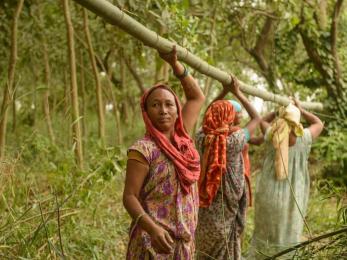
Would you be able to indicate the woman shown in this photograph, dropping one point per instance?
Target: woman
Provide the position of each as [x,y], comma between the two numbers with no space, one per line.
[163,167]
[282,188]
[222,183]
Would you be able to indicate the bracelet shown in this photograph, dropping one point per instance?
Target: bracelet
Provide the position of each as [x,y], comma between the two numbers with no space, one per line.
[184,74]
[136,222]
[138,218]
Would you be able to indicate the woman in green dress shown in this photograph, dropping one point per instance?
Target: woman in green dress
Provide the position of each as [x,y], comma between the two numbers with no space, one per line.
[282,188]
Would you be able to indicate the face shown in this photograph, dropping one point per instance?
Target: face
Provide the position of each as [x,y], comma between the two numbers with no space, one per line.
[162,110]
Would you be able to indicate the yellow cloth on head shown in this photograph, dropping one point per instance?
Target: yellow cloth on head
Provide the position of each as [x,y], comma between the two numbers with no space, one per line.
[289,120]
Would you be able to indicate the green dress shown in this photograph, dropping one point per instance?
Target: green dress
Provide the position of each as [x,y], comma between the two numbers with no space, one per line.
[278,222]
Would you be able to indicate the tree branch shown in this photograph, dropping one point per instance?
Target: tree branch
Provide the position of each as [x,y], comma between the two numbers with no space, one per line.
[307,242]
[258,51]
[135,75]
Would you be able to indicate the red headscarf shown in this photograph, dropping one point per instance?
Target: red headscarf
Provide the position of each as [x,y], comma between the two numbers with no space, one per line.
[180,150]
[217,126]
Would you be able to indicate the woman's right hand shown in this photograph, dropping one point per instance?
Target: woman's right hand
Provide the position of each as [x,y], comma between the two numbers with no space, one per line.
[161,240]
[298,105]
[235,86]
[170,57]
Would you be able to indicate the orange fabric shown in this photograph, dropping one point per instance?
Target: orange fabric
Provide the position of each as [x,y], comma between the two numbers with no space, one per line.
[181,151]
[217,126]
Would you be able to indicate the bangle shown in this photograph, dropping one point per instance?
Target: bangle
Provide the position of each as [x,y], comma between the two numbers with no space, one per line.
[184,74]
[136,222]
[139,217]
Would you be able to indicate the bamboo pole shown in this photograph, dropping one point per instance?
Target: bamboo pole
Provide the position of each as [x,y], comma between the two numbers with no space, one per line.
[115,16]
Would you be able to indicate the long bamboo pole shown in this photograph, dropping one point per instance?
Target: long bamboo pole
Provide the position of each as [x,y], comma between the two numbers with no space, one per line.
[115,16]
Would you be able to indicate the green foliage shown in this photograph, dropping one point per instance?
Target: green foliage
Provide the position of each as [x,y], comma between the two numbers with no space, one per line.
[92,221]
[334,151]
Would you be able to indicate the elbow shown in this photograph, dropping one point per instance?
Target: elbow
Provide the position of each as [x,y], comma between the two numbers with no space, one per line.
[257,119]
[125,200]
[128,200]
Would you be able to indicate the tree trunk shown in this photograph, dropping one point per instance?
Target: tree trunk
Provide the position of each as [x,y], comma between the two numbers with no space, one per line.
[14,112]
[47,77]
[98,88]
[115,111]
[76,124]
[125,106]
[46,108]
[10,79]
[66,117]
[116,116]
[133,72]
[83,93]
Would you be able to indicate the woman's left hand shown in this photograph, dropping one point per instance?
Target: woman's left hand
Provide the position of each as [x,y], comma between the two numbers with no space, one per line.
[297,104]
[170,57]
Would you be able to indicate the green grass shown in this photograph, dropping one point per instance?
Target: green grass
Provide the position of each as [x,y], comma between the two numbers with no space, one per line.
[39,178]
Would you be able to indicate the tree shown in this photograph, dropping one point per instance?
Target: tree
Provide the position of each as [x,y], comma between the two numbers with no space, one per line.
[76,128]
[98,87]
[8,89]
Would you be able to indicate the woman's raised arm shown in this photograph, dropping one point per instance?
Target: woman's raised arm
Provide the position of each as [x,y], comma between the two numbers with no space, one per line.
[194,96]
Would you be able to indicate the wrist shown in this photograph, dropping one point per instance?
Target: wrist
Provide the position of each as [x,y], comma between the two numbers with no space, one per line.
[237,94]
[180,74]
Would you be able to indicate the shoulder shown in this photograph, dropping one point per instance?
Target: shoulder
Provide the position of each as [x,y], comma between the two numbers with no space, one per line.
[307,137]
[144,141]
[145,146]
[240,134]
[237,139]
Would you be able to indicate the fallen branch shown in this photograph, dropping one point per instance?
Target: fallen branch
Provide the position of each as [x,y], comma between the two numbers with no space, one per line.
[115,16]
[310,241]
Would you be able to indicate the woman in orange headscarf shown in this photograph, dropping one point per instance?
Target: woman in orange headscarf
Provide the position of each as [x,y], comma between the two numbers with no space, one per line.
[223,185]
[163,168]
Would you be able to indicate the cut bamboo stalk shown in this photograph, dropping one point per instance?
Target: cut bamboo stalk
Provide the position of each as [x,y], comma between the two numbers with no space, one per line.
[115,16]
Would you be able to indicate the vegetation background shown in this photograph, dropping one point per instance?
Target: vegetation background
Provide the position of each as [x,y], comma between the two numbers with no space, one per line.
[70,89]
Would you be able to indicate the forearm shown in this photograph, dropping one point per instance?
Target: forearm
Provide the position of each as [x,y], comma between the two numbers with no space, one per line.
[309,117]
[266,120]
[135,209]
[247,105]
[256,140]
[190,86]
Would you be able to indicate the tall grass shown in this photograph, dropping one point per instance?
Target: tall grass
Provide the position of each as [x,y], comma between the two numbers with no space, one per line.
[50,210]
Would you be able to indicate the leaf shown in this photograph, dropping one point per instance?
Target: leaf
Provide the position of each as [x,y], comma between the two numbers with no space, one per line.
[294,21]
